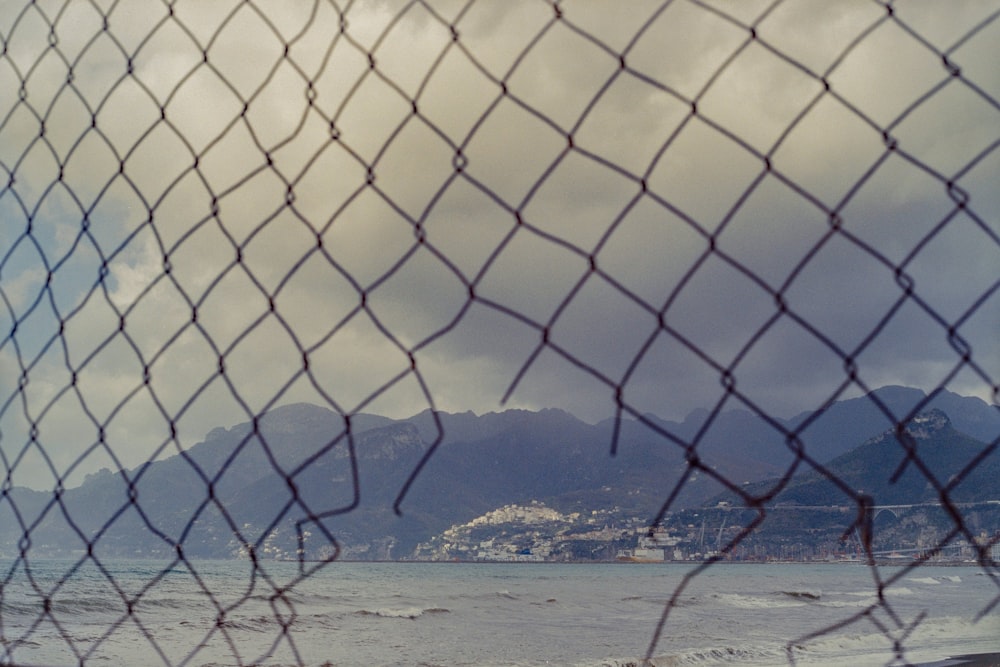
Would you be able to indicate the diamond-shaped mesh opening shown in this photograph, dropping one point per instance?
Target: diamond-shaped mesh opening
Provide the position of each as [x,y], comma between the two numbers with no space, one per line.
[512,150]
[569,332]
[816,35]
[694,155]
[261,264]
[392,303]
[358,130]
[561,65]
[906,72]
[758,97]
[690,314]
[617,130]
[243,63]
[744,237]
[423,38]
[576,200]
[529,259]
[830,132]
[846,312]
[682,48]
[414,168]
[456,95]
[370,256]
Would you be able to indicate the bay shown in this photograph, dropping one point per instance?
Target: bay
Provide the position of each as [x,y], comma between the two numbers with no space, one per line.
[215,613]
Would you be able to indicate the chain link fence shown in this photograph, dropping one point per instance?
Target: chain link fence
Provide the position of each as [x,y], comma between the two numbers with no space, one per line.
[212,209]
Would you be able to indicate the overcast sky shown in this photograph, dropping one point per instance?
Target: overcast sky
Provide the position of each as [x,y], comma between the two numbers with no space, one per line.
[646,186]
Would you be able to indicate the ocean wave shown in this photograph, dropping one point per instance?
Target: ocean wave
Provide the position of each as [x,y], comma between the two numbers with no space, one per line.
[844,647]
[721,655]
[859,602]
[802,595]
[930,640]
[294,597]
[862,598]
[932,581]
[20,608]
[402,612]
[724,655]
[662,601]
[253,624]
[82,606]
[163,603]
[758,602]
[872,593]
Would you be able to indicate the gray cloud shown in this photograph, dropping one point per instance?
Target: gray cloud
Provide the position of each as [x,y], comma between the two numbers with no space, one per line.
[282,209]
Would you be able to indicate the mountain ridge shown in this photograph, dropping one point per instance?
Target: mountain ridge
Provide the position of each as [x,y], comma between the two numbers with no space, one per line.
[299,468]
[884,468]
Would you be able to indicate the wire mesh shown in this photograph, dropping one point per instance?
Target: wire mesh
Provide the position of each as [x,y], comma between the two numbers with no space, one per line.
[214,209]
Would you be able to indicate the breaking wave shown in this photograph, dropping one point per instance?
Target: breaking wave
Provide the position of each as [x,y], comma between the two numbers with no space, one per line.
[932,581]
[802,595]
[79,606]
[402,612]
[255,624]
[773,601]
[721,655]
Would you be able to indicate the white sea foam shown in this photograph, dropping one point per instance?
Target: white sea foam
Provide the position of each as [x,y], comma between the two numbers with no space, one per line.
[403,612]
[718,655]
[255,624]
[852,648]
[803,595]
[866,601]
[933,639]
[758,602]
[890,590]
[723,655]
[932,581]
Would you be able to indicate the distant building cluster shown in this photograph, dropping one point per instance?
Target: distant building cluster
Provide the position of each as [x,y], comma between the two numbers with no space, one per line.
[535,532]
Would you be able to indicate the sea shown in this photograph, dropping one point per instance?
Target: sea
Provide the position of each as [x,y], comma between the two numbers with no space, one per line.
[270,614]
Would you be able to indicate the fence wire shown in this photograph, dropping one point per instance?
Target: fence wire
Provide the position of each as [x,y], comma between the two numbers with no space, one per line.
[214,209]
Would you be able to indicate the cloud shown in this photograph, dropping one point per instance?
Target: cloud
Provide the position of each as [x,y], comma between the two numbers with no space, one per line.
[247,205]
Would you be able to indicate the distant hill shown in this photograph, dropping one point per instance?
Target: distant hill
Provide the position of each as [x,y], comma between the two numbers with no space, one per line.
[870,468]
[831,432]
[828,433]
[297,469]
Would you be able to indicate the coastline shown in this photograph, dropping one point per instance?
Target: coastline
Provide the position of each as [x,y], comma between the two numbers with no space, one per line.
[966,660]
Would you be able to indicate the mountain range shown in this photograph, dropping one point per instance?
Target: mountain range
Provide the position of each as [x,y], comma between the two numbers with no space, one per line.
[940,458]
[299,478]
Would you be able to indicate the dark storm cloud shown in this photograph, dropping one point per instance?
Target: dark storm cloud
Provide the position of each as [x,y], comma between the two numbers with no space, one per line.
[708,244]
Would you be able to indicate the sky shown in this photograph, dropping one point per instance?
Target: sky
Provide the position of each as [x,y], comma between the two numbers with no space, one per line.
[214,208]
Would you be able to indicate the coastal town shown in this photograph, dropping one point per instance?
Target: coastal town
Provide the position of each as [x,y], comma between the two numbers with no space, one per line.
[535,532]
